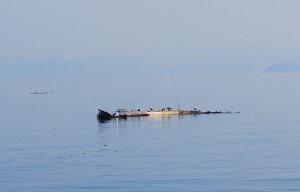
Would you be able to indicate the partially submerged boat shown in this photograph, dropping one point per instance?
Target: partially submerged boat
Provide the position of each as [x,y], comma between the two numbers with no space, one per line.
[124,113]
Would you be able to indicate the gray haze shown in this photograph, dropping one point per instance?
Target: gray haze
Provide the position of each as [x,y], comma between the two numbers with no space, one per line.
[209,34]
[151,53]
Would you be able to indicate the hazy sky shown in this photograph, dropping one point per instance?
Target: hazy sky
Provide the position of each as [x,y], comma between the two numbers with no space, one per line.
[233,34]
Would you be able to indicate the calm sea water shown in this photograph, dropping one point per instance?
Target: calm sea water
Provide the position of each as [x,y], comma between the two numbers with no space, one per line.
[55,143]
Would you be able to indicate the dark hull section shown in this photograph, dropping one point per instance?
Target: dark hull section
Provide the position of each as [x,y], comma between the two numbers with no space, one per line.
[207,112]
[103,115]
[129,115]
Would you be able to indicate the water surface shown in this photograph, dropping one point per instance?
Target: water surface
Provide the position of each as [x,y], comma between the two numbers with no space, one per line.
[54,142]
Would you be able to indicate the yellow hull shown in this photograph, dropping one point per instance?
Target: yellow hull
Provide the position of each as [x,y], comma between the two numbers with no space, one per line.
[153,113]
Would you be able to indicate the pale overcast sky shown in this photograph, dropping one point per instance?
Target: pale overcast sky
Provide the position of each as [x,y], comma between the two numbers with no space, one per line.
[236,33]
[214,52]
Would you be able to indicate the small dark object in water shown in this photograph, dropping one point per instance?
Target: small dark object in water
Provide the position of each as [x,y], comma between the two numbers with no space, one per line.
[103,115]
[38,93]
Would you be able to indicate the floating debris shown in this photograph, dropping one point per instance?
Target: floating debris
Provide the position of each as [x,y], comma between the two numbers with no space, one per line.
[40,93]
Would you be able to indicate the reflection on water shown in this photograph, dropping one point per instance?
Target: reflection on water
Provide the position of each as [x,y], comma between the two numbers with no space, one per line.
[153,121]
